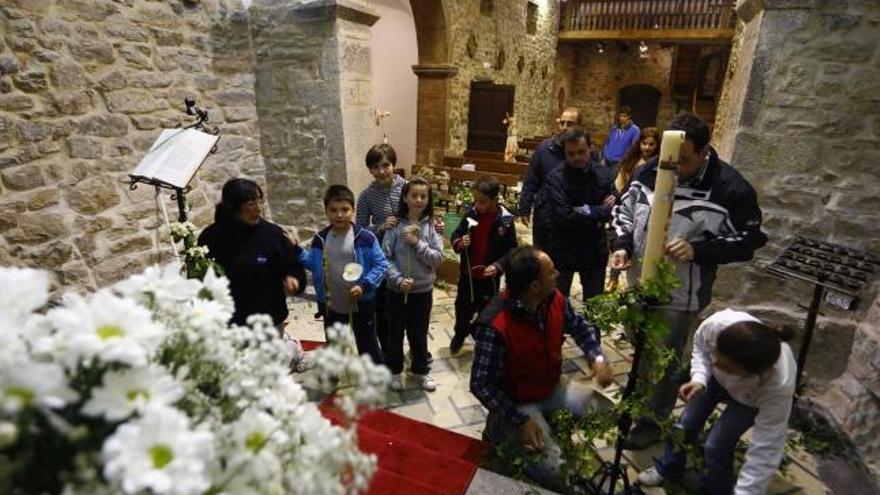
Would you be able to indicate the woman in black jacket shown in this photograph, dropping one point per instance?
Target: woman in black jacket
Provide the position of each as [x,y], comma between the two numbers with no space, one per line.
[261,262]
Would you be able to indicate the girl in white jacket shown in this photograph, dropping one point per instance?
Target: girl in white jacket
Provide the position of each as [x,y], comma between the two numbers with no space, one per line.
[746,364]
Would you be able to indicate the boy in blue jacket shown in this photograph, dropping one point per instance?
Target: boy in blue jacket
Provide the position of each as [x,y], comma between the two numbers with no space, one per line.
[334,247]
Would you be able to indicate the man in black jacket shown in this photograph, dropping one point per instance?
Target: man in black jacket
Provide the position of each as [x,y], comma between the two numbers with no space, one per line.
[580,197]
[548,156]
[715,220]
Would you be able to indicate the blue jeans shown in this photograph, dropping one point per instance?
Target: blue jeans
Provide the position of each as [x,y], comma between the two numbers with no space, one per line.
[721,444]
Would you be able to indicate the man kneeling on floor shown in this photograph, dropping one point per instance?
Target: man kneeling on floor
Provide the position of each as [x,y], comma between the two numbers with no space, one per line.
[518,362]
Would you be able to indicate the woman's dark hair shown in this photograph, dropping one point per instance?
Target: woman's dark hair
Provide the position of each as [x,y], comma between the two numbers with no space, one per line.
[236,192]
[379,152]
[416,180]
[694,129]
[523,267]
[752,345]
[634,153]
[338,192]
[488,186]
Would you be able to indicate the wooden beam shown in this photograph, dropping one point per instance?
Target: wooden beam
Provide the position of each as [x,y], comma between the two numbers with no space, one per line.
[707,36]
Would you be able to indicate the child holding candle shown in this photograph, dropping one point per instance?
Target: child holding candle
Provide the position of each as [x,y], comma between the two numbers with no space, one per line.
[414,250]
[484,238]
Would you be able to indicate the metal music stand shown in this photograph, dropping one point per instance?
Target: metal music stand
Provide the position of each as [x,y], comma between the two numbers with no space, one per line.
[179,193]
[605,479]
[838,273]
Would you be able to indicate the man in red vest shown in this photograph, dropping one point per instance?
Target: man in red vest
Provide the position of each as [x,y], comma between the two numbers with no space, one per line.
[518,361]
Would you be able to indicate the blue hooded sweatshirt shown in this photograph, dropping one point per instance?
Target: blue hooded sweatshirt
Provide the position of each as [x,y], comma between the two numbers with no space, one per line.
[367,253]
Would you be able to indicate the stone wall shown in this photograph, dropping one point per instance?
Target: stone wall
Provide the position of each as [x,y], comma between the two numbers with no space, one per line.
[592,80]
[504,28]
[800,118]
[85,88]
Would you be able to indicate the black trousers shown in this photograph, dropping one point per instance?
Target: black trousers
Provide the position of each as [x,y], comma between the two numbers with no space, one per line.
[382,316]
[592,280]
[541,233]
[465,308]
[411,319]
[364,322]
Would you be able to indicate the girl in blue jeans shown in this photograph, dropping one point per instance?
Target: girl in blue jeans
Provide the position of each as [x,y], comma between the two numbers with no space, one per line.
[747,365]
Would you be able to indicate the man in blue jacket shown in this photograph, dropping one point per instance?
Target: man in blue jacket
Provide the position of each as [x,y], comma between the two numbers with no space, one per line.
[580,198]
[548,156]
[620,138]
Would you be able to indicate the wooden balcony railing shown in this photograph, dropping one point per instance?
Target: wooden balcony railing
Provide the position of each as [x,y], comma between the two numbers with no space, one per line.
[662,20]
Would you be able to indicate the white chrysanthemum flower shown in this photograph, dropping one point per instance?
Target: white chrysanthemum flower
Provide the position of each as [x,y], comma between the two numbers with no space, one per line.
[22,290]
[159,288]
[25,383]
[159,452]
[8,433]
[106,327]
[207,315]
[125,392]
[256,429]
[218,289]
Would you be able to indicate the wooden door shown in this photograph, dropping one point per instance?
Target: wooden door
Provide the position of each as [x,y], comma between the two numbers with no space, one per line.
[644,101]
[489,104]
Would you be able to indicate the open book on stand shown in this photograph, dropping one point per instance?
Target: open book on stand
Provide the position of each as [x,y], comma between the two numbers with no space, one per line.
[175,157]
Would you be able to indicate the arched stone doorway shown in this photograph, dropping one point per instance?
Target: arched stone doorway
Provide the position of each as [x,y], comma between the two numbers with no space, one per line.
[644,100]
[434,72]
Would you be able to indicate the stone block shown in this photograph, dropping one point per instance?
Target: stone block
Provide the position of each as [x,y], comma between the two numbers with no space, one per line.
[8,65]
[32,81]
[75,274]
[137,56]
[51,255]
[112,81]
[119,267]
[150,80]
[84,147]
[43,198]
[7,131]
[23,177]
[38,227]
[165,37]
[145,122]
[93,195]
[239,114]
[67,74]
[104,125]
[94,51]
[34,131]
[130,244]
[235,98]
[21,35]
[73,103]
[127,32]
[133,101]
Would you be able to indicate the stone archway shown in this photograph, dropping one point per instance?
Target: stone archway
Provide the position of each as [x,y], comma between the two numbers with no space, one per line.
[434,72]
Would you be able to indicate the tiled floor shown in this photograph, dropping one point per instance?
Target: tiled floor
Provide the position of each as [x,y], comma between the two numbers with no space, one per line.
[453,407]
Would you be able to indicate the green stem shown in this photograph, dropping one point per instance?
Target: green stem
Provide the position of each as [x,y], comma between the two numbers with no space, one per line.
[467,260]
[409,263]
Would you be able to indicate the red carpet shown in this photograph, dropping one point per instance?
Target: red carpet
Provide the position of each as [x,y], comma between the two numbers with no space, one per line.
[415,458]
[311,345]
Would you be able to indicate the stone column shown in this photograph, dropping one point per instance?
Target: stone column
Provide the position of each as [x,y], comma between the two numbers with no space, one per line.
[314,99]
[799,119]
[432,136]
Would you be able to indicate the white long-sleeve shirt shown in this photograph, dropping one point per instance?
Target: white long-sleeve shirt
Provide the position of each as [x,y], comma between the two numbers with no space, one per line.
[770,392]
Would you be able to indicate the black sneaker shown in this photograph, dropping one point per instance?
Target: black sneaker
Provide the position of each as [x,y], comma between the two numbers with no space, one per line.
[642,436]
[456,343]
[430,357]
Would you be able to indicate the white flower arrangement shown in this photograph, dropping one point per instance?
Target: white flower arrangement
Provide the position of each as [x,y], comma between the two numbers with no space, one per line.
[143,387]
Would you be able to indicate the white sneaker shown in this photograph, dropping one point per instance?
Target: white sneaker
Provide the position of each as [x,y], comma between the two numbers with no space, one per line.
[428,383]
[396,383]
[651,477]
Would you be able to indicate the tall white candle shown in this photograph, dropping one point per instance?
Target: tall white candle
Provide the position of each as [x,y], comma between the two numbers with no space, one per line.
[661,206]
